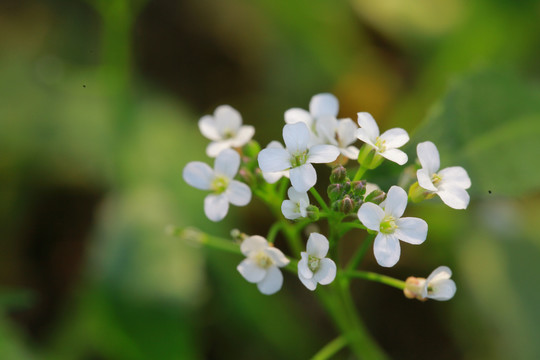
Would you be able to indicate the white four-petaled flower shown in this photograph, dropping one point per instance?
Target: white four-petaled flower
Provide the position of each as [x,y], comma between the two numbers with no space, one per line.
[297,157]
[450,184]
[220,181]
[386,144]
[438,286]
[262,264]
[314,267]
[225,130]
[272,177]
[340,133]
[296,206]
[391,227]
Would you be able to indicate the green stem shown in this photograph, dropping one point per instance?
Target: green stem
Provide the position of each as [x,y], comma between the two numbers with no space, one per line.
[319,199]
[274,229]
[360,253]
[347,226]
[330,349]
[383,279]
[359,173]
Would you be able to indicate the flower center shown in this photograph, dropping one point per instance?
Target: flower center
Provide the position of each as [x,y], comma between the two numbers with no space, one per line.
[228,134]
[380,144]
[436,179]
[313,263]
[388,225]
[219,184]
[299,159]
[264,261]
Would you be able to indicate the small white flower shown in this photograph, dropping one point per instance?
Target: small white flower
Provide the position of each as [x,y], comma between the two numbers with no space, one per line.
[340,133]
[262,264]
[450,184]
[386,144]
[297,157]
[225,130]
[272,177]
[391,227]
[315,267]
[296,207]
[437,286]
[220,181]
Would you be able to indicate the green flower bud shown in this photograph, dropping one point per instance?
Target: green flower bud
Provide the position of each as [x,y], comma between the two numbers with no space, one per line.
[335,205]
[376,197]
[313,212]
[368,157]
[334,191]
[347,205]
[347,187]
[251,149]
[418,193]
[358,188]
[338,175]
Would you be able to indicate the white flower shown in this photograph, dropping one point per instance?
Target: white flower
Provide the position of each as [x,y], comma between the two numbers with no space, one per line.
[262,264]
[315,267]
[340,133]
[437,286]
[225,130]
[297,157]
[370,187]
[296,207]
[272,177]
[450,184]
[386,144]
[220,181]
[391,227]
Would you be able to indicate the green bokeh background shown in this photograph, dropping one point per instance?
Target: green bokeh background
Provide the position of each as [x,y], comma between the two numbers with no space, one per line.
[99,102]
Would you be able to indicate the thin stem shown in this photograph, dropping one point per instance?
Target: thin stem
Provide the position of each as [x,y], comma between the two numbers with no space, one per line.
[274,229]
[331,348]
[198,237]
[347,226]
[359,173]
[319,199]
[360,253]
[383,279]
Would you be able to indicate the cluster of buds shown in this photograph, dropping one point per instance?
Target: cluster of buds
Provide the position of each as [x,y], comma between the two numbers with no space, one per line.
[347,196]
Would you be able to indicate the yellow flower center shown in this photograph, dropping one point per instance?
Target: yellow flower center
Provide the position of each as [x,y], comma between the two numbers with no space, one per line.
[219,184]
[388,225]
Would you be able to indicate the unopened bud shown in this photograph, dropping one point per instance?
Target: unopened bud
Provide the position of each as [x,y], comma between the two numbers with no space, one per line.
[358,201]
[418,193]
[335,205]
[251,149]
[338,175]
[368,157]
[313,212]
[376,197]
[413,288]
[334,191]
[347,205]
[247,176]
[358,187]
[346,187]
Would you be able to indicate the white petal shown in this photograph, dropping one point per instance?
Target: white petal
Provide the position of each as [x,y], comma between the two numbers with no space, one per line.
[395,138]
[253,243]
[303,177]
[216,147]
[362,135]
[295,115]
[272,160]
[396,202]
[386,249]
[296,137]
[443,290]
[429,157]
[326,273]
[289,209]
[424,180]
[303,268]
[275,145]
[326,129]
[272,282]
[351,152]
[208,128]
[297,196]
[322,154]
[455,197]
[302,205]
[440,273]
[310,283]
[323,105]
[216,207]
[277,256]
[411,230]
[227,163]
[251,271]
[455,176]
[272,177]
[238,193]
[346,131]
[317,245]
[228,120]
[371,216]
[198,175]
[369,126]
[244,134]
[395,155]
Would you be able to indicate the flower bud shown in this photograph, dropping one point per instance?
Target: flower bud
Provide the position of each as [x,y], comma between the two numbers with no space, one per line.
[418,193]
[313,212]
[376,197]
[347,205]
[413,288]
[247,176]
[368,157]
[334,191]
[346,187]
[358,188]
[252,149]
[335,205]
[338,175]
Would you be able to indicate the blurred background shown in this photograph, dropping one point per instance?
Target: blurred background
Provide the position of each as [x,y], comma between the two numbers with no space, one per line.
[99,102]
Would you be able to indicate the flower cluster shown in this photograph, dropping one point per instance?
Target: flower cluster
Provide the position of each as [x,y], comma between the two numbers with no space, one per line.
[318,136]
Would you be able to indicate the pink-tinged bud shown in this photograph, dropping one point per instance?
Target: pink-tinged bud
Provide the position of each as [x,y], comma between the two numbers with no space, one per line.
[334,191]
[347,205]
[358,188]
[376,197]
[338,175]
[413,288]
